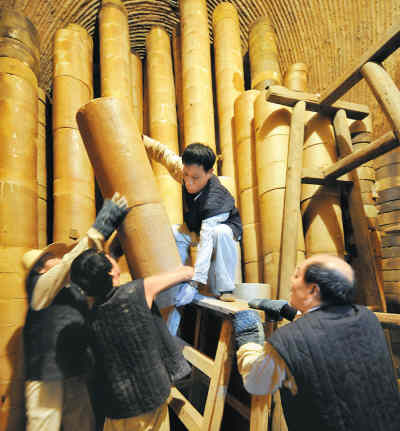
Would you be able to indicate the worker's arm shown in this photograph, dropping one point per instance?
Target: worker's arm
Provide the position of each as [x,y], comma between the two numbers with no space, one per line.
[156,283]
[51,282]
[162,154]
[262,368]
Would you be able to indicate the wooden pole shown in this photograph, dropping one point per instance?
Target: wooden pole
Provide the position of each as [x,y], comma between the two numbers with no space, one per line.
[42,170]
[369,280]
[292,199]
[385,91]
[177,56]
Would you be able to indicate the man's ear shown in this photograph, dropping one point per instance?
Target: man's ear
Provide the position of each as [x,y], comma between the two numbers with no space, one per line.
[210,172]
[315,289]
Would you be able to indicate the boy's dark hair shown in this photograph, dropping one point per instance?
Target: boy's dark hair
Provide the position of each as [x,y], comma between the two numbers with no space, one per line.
[91,272]
[199,154]
[334,287]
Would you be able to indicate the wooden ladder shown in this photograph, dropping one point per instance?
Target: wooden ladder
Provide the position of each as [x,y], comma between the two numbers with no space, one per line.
[219,371]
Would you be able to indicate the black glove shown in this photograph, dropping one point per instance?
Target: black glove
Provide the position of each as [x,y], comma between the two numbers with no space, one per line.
[111,215]
[275,309]
[248,328]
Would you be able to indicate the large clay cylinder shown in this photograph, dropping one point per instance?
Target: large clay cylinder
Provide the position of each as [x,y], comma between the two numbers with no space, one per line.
[263,53]
[121,164]
[198,105]
[18,204]
[245,149]
[163,124]
[115,51]
[74,196]
[177,56]
[272,128]
[137,89]
[320,205]
[19,39]
[296,77]
[42,170]
[229,79]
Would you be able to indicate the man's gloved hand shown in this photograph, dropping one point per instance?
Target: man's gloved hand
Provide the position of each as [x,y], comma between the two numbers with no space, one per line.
[111,215]
[248,328]
[275,309]
[186,293]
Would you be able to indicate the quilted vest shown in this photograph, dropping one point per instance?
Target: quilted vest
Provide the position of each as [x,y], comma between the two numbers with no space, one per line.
[340,361]
[212,200]
[137,358]
[56,337]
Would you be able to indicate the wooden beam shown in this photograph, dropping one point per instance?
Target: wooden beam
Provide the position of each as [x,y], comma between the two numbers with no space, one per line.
[377,53]
[385,91]
[317,177]
[291,209]
[389,320]
[190,417]
[283,96]
[380,146]
[369,279]
[198,360]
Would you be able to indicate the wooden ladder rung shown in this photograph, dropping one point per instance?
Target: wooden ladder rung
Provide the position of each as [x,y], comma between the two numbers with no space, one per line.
[192,419]
[198,359]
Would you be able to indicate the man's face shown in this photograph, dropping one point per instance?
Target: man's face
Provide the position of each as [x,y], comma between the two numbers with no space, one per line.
[115,270]
[49,263]
[195,178]
[303,296]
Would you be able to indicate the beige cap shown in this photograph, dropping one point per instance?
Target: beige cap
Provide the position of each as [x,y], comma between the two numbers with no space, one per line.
[57,249]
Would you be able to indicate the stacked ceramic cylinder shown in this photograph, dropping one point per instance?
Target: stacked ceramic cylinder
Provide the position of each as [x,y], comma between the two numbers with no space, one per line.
[229,79]
[115,54]
[198,104]
[320,205]
[42,170]
[137,89]
[245,149]
[296,77]
[387,169]
[19,60]
[74,198]
[163,124]
[263,53]
[114,144]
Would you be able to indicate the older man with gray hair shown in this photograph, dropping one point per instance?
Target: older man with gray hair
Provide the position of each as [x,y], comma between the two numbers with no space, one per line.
[332,364]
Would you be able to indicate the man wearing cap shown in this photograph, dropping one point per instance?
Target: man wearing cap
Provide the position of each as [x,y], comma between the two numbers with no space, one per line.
[54,333]
[332,364]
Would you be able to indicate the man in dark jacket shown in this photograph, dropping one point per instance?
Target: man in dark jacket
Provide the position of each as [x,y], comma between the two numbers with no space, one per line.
[332,364]
[137,358]
[54,334]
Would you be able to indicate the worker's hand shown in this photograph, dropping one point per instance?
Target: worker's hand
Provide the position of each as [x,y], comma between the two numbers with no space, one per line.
[111,215]
[186,294]
[275,309]
[187,272]
[248,328]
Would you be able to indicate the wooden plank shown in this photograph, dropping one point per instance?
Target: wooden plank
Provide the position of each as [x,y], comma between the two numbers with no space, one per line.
[353,160]
[218,388]
[190,417]
[260,407]
[389,320]
[317,177]
[291,209]
[199,360]
[385,91]
[283,96]
[221,307]
[377,53]
[369,277]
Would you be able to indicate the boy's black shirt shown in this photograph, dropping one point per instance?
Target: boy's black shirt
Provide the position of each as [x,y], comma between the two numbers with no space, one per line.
[212,200]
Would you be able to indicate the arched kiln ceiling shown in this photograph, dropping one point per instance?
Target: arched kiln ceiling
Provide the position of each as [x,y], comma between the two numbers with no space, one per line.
[328,35]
